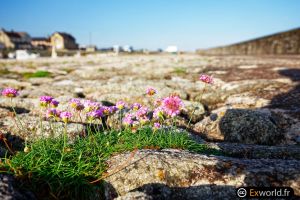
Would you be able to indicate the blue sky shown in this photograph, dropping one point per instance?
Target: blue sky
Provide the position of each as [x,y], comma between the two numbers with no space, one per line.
[189,24]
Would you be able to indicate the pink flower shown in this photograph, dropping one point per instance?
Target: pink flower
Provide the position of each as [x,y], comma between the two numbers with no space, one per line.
[172,105]
[97,114]
[157,125]
[76,104]
[157,102]
[120,105]
[45,100]
[65,116]
[136,106]
[151,91]
[159,113]
[54,103]
[112,109]
[128,119]
[9,92]
[142,112]
[91,105]
[206,79]
[105,110]
[144,120]
[52,113]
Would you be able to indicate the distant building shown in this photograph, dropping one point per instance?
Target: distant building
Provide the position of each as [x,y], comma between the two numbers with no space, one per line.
[63,41]
[15,40]
[117,48]
[171,49]
[41,43]
[91,48]
[127,48]
[24,55]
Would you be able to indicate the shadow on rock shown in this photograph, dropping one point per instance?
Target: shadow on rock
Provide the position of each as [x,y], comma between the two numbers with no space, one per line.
[160,191]
[19,110]
[15,143]
[290,99]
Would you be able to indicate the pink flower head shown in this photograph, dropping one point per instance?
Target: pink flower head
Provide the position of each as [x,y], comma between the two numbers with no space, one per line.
[159,113]
[151,91]
[144,120]
[157,102]
[91,105]
[136,106]
[52,113]
[142,112]
[54,103]
[45,100]
[172,105]
[157,125]
[128,119]
[9,92]
[120,105]
[97,114]
[65,116]
[76,104]
[112,109]
[105,110]
[206,79]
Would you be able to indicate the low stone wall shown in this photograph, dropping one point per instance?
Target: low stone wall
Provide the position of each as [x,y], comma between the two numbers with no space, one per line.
[287,42]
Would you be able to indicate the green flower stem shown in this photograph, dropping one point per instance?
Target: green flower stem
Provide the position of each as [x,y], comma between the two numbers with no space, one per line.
[15,113]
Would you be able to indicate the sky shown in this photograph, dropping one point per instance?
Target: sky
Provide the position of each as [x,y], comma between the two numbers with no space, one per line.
[152,24]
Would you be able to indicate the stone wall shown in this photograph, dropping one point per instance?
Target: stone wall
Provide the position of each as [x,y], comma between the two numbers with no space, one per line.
[287,42]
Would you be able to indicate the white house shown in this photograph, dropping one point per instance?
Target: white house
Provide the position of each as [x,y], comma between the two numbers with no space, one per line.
[171,49]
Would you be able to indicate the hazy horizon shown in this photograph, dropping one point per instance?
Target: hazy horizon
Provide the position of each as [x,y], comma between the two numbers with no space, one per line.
[152,24]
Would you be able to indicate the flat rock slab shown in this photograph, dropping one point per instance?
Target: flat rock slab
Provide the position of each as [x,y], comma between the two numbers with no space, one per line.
[258,151]
[175,174]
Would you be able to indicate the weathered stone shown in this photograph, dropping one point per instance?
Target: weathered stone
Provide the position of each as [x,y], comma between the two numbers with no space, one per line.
[32,127]
[194,111]
[135,196]
[9,189]
[257,151]
[209,126]
[174,174]
[242,126]
[249,127]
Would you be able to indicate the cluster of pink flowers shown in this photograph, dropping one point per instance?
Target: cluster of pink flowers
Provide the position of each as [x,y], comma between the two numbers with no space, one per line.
[46,101]
[206,79]
[135,115]
[10,92]
[168,107]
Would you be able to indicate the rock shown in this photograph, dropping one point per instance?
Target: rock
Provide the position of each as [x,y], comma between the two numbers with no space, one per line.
[193,111]
[33,128]
[135,196]
[209,126]
[241,126]
[174,174]
[9,189]
[245,100]
[257,151]
[250,127]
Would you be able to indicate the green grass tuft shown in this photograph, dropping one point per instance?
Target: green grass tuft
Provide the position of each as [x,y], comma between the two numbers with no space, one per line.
[179,70]
[37,74]
[66,173]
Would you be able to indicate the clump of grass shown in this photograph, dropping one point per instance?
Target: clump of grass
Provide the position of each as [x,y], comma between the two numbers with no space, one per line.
[101,70]
[179,70]
[37,74]
[66,171]
[4,71]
